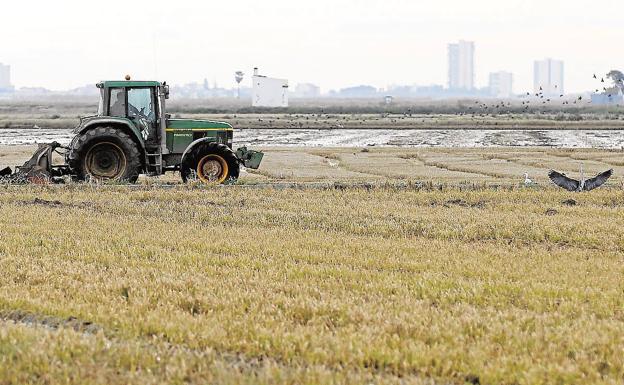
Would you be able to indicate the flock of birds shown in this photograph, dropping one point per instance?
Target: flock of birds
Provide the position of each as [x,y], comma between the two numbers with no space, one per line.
[542,99]
[574,185]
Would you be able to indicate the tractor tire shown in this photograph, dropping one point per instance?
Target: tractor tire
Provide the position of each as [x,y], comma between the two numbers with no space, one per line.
[105,153]
[210,163]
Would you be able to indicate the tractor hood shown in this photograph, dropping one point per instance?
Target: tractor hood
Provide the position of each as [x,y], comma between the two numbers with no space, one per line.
[190,124]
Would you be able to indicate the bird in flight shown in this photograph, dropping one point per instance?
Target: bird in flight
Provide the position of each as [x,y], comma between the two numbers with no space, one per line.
[561,180]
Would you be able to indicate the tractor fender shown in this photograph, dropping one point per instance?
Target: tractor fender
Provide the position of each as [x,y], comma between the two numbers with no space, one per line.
[126,123]
[194,144]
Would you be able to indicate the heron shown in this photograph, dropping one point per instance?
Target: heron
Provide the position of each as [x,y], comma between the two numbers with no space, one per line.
[528,181]
[561,180]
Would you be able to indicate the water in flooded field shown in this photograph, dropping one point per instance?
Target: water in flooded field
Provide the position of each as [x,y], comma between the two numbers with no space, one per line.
[31,136]
[372,137]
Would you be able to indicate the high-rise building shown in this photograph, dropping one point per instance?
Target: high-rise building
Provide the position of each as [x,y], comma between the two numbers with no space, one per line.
[461,66]
[501,84]
[548,77]
[5,77]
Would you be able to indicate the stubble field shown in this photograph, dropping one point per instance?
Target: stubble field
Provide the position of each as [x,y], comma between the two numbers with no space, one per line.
[110,285]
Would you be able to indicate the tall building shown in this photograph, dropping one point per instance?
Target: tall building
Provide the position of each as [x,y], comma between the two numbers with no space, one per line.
[501,84]
[5,77]
[461,66]
[548,75]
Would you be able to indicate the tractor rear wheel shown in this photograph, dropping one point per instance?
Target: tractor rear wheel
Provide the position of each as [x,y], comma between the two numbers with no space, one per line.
[105,153]
[210,163]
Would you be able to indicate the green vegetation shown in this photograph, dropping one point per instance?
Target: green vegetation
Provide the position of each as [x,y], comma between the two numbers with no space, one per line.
[116,285]
[336,113]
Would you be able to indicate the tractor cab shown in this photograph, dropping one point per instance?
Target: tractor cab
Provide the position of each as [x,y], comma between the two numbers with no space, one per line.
[141,102]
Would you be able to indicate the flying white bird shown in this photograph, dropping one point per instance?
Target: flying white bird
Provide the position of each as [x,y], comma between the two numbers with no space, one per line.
[570,184]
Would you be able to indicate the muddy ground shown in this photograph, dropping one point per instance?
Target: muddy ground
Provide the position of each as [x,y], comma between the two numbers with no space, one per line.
[607,139]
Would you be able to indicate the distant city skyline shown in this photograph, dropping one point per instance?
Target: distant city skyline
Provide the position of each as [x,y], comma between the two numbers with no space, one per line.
[548,79]
[334,44]
[548,76]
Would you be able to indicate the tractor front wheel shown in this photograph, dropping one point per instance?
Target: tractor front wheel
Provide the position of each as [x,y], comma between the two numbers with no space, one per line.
[210,163]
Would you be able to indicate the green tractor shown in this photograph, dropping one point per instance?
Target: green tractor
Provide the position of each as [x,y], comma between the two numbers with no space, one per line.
[132,134]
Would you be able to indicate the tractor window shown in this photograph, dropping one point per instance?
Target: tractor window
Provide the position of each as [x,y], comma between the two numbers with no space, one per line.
[100,111]
[141,104]
[117,102]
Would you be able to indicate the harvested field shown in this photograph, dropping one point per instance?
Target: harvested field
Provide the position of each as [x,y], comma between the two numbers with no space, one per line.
[237,285]
[504,166]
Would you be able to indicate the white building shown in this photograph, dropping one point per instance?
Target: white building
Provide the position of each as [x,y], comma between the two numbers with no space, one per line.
[501,84]
[548,75]
[5,77]
[307,90]
[269,92]
[461,66]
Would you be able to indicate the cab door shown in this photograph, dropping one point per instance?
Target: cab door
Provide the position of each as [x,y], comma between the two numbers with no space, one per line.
[143,111]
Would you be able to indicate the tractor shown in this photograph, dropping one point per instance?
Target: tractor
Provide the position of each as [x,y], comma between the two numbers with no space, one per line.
[132,134]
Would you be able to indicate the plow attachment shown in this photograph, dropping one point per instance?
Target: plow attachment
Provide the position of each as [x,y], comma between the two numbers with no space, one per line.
[38,169]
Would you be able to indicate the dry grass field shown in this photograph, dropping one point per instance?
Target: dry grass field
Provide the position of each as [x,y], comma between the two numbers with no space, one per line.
[111,285]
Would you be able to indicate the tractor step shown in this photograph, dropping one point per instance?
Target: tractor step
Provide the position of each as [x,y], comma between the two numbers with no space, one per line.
[154,163]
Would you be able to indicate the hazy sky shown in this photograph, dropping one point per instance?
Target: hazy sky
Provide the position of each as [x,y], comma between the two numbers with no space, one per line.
[334,43]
